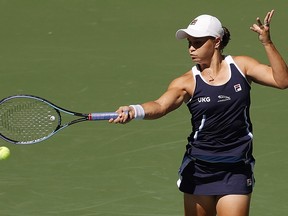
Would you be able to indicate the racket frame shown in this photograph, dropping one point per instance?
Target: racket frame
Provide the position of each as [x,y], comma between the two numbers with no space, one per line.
[83,117]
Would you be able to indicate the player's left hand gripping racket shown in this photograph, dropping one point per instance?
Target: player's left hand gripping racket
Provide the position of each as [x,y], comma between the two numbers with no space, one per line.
[28,119]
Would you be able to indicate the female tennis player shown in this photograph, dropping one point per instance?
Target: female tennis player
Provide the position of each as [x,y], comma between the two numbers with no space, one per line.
[216,175]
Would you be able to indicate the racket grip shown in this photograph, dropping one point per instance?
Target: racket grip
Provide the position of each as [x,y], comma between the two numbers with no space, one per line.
[102,116]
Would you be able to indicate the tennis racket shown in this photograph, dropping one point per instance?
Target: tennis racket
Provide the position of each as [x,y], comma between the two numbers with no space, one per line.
[28,119]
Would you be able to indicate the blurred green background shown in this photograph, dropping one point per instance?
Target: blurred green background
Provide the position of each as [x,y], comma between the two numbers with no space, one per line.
[95,55]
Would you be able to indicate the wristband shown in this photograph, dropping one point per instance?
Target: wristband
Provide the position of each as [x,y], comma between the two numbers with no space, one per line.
[139,112]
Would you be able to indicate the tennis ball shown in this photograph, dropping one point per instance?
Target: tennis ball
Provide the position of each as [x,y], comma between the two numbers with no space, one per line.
[4,152]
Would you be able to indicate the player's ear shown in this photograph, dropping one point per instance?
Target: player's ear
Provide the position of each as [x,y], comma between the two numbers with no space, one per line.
[217,42]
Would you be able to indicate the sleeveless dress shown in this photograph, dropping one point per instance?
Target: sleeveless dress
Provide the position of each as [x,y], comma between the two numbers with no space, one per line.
[218,158]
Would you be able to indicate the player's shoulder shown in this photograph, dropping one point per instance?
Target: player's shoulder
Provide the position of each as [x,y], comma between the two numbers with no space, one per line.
[243,60]
[184,78]
[185,82]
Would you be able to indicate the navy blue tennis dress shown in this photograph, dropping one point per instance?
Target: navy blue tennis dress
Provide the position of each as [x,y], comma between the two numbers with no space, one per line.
[218,158]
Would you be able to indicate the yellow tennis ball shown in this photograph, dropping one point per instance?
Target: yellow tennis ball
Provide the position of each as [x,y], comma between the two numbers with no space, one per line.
[4,152]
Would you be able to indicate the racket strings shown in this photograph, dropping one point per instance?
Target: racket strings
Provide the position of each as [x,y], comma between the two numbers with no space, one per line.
[26,120]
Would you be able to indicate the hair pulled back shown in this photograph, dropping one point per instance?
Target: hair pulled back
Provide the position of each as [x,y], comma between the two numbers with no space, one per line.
[225,39]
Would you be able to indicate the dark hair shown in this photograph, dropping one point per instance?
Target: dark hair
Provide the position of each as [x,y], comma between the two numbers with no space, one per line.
[225,38]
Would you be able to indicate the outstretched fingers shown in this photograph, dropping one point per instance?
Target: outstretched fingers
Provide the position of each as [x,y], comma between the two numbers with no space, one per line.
[263,29]
[260,26]
[268,18]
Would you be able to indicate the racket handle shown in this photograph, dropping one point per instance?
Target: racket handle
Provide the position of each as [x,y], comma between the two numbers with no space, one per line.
[102,116]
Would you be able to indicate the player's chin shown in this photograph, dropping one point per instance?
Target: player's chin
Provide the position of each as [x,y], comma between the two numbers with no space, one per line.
[195,60]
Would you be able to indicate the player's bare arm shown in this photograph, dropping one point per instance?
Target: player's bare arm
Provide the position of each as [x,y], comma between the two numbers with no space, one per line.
[179,91]
[259,73]
[276,73]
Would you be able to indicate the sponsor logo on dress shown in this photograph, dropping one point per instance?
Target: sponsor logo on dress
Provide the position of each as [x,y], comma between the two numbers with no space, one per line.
[222,98]
[249,182]
[237,88]
[204,99]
